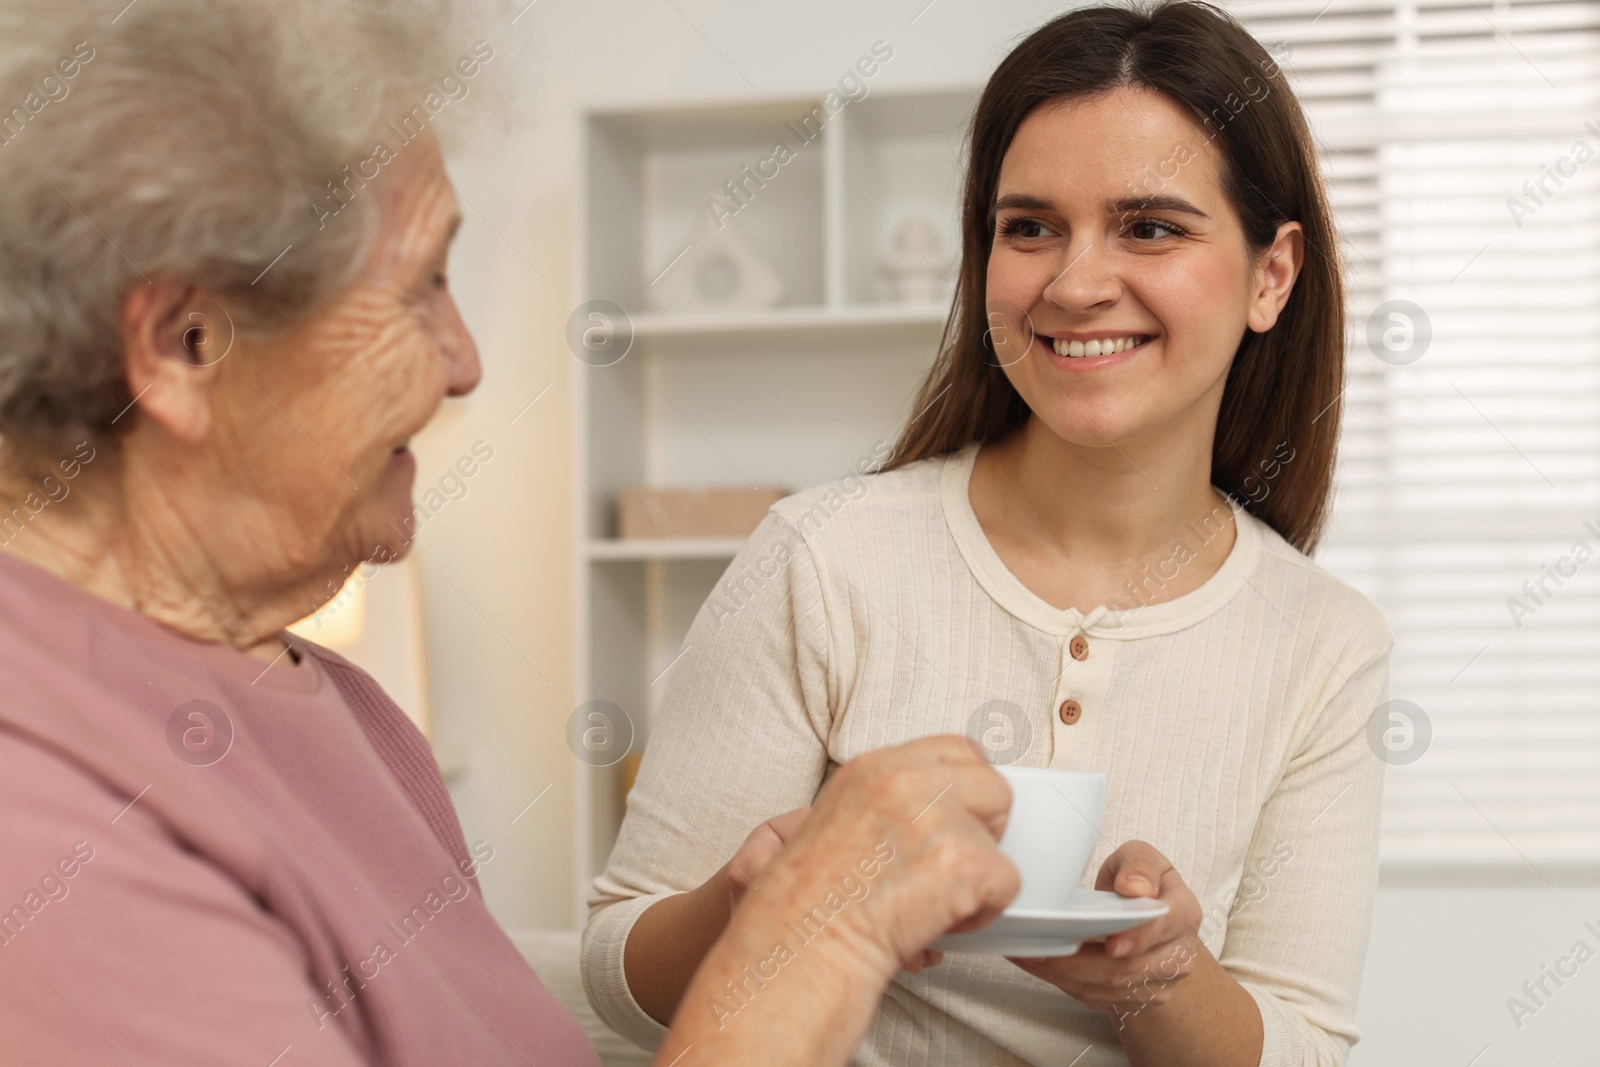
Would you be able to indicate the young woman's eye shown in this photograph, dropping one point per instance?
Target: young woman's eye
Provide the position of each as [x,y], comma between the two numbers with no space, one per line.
[1142,228]
[1025,228]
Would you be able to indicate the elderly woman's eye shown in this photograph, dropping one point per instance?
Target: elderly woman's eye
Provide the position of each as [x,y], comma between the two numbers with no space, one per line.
[436,282]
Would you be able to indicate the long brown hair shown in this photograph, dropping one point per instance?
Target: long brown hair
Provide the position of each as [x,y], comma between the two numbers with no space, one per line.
[1285,385]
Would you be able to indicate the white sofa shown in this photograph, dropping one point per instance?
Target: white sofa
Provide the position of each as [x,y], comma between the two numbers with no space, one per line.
[553,955]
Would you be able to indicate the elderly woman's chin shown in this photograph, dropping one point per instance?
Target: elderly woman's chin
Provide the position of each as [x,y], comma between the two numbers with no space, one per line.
[389,525]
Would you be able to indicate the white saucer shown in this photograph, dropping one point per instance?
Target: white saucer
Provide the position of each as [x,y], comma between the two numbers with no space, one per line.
[1092,913]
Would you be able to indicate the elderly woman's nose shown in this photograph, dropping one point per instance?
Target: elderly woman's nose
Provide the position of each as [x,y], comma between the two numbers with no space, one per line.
[463,368]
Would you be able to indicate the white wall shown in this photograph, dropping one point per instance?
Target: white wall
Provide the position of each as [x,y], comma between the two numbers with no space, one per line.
[1444,960]
[496,565]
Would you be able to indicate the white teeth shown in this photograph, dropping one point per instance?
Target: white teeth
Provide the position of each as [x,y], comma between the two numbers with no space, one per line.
[1099,347]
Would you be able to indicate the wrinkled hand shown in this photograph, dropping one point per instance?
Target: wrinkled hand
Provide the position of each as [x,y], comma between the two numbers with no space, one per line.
[760,849]
[900,847]
[1138,967]
[763,846]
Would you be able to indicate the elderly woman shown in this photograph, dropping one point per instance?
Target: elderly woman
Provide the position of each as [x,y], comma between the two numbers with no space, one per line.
[223,315]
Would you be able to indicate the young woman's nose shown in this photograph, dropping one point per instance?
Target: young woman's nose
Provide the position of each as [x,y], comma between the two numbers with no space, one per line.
[1084,279]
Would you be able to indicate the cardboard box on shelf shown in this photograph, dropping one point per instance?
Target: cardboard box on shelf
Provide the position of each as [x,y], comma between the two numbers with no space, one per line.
[655,512]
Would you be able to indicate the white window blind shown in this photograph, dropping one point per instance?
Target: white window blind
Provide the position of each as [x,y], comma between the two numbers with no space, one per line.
[1475,467]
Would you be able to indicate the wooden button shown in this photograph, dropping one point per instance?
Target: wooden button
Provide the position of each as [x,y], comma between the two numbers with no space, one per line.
[1079,647]
[1070,711]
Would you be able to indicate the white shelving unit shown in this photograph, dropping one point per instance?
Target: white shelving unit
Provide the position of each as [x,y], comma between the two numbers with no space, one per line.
[792,395]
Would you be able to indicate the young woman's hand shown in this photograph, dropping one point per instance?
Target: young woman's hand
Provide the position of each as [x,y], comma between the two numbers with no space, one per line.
[759,850]
[1140,967]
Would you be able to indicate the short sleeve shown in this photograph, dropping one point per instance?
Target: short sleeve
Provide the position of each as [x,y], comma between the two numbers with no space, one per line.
[741,736]
[1297,939]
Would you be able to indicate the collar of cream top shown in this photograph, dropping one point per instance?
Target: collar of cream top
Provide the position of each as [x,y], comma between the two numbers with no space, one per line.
[1129,623]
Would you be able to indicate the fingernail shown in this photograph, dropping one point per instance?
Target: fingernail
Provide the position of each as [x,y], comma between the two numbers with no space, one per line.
[1121,948]
[1139,881]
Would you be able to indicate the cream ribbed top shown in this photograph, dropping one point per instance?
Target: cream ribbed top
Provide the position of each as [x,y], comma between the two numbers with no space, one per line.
[1231,722]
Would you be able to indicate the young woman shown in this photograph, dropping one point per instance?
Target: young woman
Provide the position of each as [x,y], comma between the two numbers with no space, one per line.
[1087,551]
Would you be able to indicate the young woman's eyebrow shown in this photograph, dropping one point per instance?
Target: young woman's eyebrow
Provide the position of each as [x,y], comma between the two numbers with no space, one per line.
[1131,204]
[1025,201]
[1125,206]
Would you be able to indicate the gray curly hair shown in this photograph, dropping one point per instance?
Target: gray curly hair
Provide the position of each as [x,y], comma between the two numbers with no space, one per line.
[196,139]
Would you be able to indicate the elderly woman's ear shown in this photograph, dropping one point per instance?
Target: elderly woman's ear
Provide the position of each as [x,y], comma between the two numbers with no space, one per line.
[174,339]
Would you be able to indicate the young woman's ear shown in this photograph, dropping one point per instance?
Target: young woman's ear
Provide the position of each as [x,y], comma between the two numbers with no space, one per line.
[173,338]
[1274,277]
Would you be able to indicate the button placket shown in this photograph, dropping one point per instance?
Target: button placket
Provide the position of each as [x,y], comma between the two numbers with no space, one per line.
[1082,690]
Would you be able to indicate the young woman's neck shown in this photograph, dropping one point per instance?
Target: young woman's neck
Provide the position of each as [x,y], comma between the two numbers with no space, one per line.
[1076,523]
[1106,500]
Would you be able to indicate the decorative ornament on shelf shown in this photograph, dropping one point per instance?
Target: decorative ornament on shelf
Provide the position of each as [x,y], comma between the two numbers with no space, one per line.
[916,271]
[718,272]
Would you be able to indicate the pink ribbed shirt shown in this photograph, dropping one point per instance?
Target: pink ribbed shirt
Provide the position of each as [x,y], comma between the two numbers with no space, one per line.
[305,900]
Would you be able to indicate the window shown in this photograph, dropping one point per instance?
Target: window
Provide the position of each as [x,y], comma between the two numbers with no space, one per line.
[1461,146]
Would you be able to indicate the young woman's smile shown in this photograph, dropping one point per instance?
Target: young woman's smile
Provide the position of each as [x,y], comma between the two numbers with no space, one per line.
[1079,354]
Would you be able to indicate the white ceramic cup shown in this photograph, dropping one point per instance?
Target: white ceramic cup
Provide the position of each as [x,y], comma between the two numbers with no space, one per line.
[1051,832]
